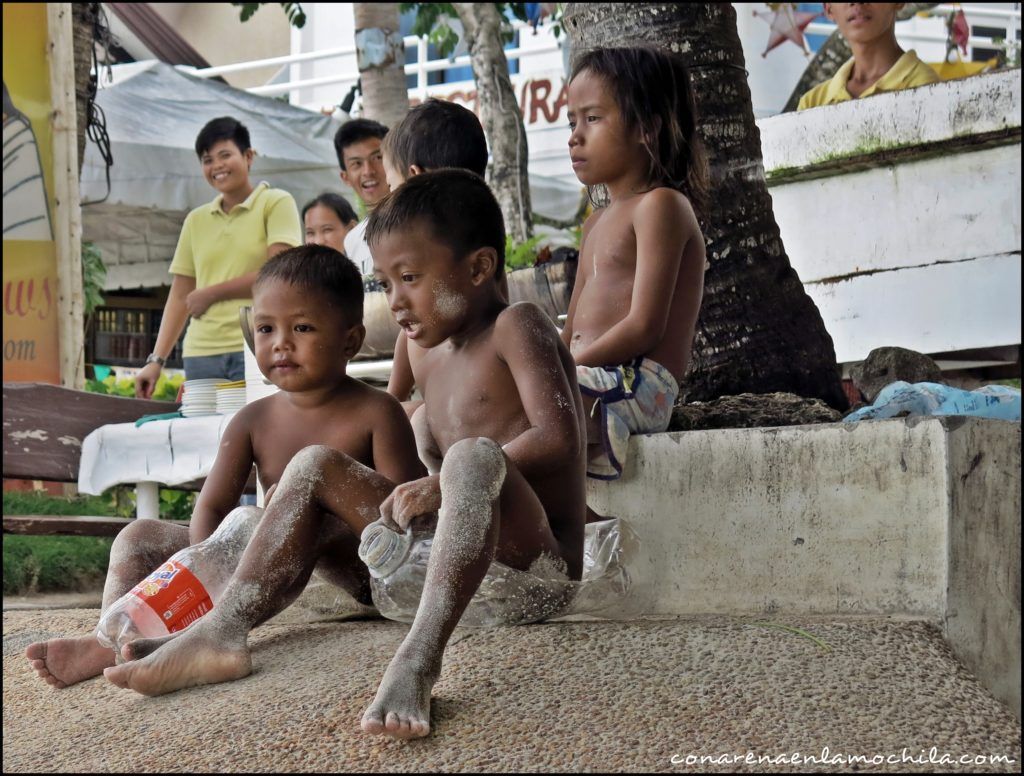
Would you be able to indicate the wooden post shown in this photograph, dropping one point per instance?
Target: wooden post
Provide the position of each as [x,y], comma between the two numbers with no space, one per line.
[67,221]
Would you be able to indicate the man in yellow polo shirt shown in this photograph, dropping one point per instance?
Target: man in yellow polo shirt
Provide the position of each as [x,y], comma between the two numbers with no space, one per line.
[222,246]
[878,63]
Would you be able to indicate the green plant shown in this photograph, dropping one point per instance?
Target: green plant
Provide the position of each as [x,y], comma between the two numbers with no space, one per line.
[524,254]
[166,388]
[432,22]
[94,273]
[52,563]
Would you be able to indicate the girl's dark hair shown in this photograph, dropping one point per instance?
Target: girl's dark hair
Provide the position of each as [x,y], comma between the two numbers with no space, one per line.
[341,206]
[652,90]
[319,268]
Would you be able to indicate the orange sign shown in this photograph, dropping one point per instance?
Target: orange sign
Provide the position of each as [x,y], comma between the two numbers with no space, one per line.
[31,351]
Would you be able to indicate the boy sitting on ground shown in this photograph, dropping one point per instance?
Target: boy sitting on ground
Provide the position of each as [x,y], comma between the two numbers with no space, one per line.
[502,418]
[307,312]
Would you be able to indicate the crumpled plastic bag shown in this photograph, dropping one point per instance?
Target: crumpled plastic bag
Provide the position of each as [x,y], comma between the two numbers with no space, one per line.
[998,402]
[507,596]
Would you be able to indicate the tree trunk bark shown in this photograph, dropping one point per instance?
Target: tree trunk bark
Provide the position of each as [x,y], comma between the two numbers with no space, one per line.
[758,331]
[831,56]
[380,54]
[500,116]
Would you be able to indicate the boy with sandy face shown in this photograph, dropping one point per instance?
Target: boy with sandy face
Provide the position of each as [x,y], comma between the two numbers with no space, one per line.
[307,316]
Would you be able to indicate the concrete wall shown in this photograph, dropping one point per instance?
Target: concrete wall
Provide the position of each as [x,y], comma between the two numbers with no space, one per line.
[982,620]
[916,516]
[901,214]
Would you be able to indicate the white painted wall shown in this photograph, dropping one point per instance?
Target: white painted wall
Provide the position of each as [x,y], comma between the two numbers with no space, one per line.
[923,253]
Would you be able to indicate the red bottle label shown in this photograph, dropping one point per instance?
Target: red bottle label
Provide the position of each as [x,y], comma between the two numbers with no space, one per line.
[176,594]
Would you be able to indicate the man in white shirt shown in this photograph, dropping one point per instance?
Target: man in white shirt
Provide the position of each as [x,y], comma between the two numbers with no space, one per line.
[357,144]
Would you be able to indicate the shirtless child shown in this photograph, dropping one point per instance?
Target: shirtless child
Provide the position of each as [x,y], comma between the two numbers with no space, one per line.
[307,308]
[502,416]
[638,289]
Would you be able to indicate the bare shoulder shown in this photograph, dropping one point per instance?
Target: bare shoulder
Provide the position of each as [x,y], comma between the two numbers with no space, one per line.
[525,321]
[375,404]
[665,203]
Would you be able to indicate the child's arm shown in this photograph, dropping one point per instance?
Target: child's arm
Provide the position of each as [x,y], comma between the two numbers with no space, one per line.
[664,223]
[529,345]
[226,480]
[394,446]
[400,383]
[581,279]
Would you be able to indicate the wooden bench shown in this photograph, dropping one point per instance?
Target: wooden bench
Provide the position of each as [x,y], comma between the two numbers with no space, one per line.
[44,426]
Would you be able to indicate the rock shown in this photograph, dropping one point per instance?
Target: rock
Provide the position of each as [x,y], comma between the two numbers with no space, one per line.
[752,410]
[887,365]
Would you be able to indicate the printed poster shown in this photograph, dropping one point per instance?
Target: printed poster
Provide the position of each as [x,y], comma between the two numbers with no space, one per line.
[31,351]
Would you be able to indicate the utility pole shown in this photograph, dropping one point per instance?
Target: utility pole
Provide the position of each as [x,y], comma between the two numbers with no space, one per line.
[67,221]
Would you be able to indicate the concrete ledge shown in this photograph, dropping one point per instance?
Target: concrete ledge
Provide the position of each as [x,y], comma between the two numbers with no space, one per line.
[982,109]
[916,516]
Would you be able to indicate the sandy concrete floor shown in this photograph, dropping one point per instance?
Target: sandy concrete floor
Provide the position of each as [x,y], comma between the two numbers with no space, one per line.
[554,697]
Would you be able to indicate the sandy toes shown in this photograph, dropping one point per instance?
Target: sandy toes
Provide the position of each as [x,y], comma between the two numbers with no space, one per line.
[64,662]
[402,705]
[188,660]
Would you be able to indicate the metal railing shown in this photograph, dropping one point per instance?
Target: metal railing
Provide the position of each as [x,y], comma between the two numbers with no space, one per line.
[1008,18]
[421,68]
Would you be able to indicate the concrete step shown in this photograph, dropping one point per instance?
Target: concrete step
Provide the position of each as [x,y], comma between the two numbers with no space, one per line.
[609,696]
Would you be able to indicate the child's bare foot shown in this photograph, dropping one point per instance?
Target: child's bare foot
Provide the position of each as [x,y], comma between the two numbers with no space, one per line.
[64,662]
[192,658]
[402,705]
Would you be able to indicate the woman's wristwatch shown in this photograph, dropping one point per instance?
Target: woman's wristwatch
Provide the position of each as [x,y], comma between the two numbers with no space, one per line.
[153,357]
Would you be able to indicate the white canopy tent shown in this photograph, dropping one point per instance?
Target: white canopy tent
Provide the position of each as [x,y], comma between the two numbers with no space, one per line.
[153,112]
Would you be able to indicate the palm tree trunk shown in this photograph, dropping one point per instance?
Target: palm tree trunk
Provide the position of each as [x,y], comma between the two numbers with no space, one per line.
[380,54]
[758,330]
[500,116]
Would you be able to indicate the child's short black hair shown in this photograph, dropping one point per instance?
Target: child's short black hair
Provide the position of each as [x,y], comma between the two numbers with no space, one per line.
[341,206]
[224,128]
[436,134]
[457,205]
[352,132]
[319,268]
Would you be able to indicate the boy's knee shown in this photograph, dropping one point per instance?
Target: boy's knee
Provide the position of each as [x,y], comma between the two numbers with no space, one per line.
[144,537]
[474,465]
[305,467]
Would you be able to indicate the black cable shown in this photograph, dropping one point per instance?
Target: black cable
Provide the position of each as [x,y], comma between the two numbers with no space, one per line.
[95,119]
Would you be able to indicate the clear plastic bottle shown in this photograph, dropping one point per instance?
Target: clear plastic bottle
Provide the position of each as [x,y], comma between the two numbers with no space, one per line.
[181,590]
[383,550]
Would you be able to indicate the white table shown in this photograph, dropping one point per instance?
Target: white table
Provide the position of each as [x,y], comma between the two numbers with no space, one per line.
[161,452]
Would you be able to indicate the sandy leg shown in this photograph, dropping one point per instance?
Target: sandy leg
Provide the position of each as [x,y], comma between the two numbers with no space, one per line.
[472,476]
[64,662]
[198,656]
[401,707]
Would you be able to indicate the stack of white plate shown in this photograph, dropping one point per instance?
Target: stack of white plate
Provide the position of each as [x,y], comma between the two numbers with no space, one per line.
[230,397]
[200,397]
[256,385]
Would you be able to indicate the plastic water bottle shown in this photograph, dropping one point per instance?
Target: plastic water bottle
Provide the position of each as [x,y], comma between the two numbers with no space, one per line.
[181,590]
[383,550]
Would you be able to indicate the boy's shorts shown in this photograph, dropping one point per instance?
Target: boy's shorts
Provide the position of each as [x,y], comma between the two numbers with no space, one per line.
[633,399]
[506,596]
